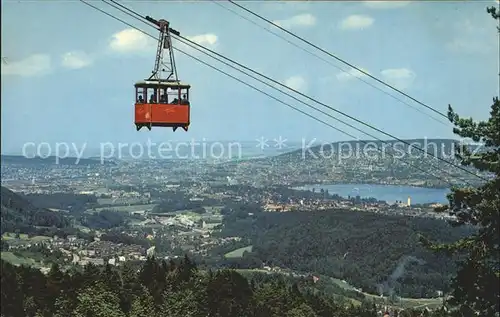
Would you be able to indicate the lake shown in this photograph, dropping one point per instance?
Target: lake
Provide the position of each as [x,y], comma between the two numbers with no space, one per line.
[388,193]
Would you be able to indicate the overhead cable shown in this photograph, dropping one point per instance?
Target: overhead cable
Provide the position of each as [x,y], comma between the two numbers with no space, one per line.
[274,98]
[339,59]
[331,64]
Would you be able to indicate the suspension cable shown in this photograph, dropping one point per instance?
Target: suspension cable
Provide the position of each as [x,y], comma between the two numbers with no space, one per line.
[141,17]
[272,97]
[330,63]
[339,59]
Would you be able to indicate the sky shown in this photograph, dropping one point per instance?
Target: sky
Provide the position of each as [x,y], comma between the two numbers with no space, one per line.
[69,70]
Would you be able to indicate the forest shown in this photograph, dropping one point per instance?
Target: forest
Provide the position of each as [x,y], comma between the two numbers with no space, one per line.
[362,248]
[64,201]
[19,215]
[167,289]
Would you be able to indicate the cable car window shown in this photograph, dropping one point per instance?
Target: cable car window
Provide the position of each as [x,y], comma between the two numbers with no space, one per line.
[174,95]
[140,93]
[184,96]
[163,96]
[152,95]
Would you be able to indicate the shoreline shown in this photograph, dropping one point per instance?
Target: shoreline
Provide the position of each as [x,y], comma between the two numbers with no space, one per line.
[387,193]
[302,184]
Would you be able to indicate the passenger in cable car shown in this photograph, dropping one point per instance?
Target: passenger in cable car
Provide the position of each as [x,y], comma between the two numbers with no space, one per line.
[163,96]
[184,100]
[152,99]
[140,99]
[175,101]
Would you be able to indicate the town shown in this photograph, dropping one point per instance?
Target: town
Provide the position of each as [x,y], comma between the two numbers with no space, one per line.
[165,208]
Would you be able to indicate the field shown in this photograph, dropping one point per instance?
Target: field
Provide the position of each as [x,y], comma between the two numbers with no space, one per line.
[40,238]
[213,209]
[10,236]
[119,201]
[22,236]
[238,253]
[342,284]
[431,303]
[402,303]
[133,208]
[15,260]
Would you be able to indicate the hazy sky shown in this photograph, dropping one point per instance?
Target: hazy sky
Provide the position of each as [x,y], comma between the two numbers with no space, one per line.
[70,69]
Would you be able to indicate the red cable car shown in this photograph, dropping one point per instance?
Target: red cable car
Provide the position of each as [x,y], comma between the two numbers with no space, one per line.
[162,101]
[162,104]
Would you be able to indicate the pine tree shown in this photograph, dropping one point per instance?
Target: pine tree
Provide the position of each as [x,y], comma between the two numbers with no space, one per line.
[143,306]
[110,277]
[476,286]
[91,274]
[181,303]
[229,294]
[97,301]
[302,310]
[130,288]
[56,283]
[147,274]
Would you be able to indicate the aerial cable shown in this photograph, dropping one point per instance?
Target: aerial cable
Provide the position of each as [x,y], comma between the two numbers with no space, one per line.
[183,40]
[330,63]
[339,59]
[140,17]
[225,73]
[319,110]
[129,12]
[255,88]
[190,45]
[335,110]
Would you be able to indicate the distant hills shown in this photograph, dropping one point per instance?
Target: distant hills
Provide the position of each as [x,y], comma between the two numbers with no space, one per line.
[13,201]
[52,160]
[368,250]
[420,151]
[17,213]
[443,148]
[307,149]
[369,161]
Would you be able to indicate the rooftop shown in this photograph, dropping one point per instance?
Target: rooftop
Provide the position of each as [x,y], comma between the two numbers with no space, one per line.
[167,84]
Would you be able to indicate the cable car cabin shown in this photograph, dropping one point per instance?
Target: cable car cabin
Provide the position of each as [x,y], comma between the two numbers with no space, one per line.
[162,104]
